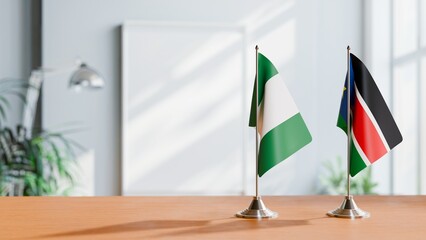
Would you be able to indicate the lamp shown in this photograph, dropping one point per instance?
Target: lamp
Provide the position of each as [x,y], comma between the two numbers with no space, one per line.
[82,76]
[86,77]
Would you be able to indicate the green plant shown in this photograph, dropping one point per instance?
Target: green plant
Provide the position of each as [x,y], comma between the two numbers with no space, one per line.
[42,164]
[334,180]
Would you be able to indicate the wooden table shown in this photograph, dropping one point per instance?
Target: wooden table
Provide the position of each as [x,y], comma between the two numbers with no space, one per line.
[301,217]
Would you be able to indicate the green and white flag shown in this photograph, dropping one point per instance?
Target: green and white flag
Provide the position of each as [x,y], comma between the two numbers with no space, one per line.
[281,127]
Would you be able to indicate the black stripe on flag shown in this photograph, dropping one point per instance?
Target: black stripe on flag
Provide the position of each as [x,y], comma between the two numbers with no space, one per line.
[374,100]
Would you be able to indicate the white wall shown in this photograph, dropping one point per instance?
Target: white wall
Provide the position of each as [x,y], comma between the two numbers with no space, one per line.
[15,47]
[312,60]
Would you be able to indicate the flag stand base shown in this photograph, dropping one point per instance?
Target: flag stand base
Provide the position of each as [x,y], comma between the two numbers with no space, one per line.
[348,209]
[257,209]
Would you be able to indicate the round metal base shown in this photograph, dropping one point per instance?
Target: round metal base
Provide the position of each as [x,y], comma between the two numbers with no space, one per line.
[348,209]
[257,209]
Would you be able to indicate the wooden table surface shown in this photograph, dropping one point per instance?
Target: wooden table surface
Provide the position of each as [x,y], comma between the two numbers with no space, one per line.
[301,217]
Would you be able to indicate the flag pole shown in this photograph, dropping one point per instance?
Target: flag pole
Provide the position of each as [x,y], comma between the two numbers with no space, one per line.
[348,208]
[257,117]
[257,208]
[348,117]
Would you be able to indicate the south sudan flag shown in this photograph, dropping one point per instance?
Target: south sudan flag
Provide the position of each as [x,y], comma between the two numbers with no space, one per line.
[373,129]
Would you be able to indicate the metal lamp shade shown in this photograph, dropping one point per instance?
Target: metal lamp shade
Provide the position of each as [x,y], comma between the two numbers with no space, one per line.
[86,77]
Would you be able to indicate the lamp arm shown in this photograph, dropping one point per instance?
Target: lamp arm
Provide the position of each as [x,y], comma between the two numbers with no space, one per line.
[33,93]
[83,76]
[49,71]
[31,100]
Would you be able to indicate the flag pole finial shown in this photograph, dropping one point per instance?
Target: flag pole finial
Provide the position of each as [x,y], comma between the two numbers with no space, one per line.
[348,48]
[257,47]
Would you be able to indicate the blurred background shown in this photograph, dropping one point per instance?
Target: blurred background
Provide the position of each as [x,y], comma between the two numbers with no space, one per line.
[172,115]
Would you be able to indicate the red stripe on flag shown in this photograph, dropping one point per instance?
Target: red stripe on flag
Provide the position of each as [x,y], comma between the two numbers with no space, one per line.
[366,134]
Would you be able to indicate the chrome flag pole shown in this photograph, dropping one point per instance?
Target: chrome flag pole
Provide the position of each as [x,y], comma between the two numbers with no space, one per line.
[348,208]
[257,208]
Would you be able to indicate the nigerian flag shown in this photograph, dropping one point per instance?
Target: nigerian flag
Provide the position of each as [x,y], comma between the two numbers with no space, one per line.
[281,127]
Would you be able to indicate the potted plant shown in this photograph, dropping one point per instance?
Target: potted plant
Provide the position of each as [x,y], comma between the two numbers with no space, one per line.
[334,180]
[32,166]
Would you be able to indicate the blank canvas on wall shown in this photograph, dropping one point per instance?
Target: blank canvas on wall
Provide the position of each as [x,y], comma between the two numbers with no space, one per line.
[183,117]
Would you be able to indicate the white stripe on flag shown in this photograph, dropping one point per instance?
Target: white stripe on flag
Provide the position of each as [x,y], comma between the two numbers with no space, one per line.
[277,105]
[358,148]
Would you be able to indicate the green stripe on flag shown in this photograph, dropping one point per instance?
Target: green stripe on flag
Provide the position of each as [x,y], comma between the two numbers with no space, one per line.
[252,119]
[266,71]
[342,124]
[357,164]
[282,141]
